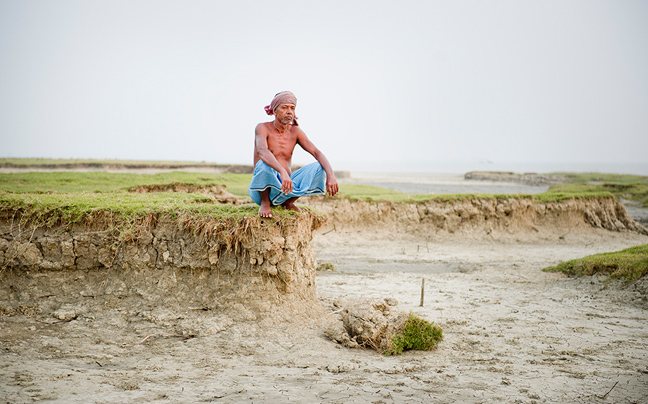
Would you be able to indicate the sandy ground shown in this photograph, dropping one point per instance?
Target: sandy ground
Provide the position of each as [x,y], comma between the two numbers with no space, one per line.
[513,334]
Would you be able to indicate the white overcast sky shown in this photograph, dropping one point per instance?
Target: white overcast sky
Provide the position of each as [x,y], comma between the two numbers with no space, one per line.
[380,84]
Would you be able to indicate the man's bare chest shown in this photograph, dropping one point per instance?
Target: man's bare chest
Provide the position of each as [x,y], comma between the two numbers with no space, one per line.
[282,143]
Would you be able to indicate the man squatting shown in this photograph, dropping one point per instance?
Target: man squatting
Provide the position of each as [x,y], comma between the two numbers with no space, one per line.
[273,183]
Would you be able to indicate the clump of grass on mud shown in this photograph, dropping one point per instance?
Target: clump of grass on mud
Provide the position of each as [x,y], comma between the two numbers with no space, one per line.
[418,334]
[325,266]
[629,264]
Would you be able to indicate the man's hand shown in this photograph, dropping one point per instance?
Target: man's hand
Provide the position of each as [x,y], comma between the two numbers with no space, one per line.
[331,186]
[286,183]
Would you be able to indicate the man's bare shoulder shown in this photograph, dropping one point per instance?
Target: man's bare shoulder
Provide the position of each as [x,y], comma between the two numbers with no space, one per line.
[263,128]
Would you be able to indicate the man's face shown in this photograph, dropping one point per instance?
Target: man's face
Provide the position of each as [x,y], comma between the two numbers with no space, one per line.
[285,113]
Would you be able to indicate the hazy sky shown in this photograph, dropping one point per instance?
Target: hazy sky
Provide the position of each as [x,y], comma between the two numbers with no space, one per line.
[380,84]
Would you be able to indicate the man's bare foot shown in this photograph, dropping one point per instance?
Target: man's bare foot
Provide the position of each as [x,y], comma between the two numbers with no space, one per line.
[290,204]
[265,210]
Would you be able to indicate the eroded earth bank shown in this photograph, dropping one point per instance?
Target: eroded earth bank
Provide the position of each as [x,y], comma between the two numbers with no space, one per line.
[230,312]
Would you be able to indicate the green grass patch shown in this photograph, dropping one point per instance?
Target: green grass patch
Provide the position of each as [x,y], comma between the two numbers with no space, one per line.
[74,182]
[65,208]
[626,186]
[629,264]
[371,193]
[418,334]
[628,190]
[375,194]
[325,266]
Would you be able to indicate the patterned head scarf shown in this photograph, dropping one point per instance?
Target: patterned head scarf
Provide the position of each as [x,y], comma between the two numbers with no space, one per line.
[284,97]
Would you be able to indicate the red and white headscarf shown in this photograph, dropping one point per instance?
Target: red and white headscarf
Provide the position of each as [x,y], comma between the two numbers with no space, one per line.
[284,97]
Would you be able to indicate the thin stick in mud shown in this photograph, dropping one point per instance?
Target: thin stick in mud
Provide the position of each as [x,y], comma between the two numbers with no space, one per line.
[422,291]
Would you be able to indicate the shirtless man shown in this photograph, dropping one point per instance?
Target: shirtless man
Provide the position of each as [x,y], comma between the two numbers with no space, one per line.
[273,182]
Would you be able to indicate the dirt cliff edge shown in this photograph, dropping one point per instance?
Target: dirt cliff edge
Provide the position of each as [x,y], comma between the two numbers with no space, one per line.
[480,217]
[250,266]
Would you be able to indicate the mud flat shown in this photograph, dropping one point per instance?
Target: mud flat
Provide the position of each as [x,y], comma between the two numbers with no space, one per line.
[144,328]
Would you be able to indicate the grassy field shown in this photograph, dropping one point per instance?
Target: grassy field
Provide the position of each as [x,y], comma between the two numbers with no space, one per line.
[629,264]
[110,190]
[237,184]
[67,163]
[73,182]
[581,185]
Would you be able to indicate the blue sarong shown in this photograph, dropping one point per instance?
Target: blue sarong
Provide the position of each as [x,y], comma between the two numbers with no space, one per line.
[308,180]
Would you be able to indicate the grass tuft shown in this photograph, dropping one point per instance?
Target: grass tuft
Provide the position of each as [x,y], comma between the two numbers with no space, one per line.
[629,264]
[325,266]
[418,334]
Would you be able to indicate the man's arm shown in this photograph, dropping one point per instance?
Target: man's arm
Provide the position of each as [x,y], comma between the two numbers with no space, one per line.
[261,134]
[331,183]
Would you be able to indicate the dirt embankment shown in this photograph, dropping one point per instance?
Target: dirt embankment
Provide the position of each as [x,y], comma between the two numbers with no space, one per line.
[251,266]
[480,218]
[255,262]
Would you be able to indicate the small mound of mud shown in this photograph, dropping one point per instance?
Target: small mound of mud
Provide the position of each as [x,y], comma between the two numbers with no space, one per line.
[217,192]
[367,324]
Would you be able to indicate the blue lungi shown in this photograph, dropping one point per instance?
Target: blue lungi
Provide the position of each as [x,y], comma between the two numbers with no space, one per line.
[308,180]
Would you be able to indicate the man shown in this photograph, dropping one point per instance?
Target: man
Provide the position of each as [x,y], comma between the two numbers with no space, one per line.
[273,183]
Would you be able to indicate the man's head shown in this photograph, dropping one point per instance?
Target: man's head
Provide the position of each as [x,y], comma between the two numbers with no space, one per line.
[283,106]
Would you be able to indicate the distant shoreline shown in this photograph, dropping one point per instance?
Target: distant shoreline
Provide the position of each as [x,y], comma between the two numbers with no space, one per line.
[21,165]
[405,168]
